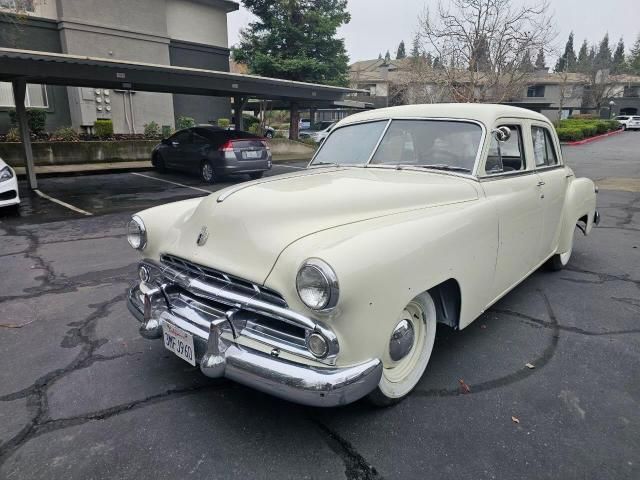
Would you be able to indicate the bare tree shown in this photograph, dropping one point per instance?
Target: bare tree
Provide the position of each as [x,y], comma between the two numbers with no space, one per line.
[481,44]
[417,82]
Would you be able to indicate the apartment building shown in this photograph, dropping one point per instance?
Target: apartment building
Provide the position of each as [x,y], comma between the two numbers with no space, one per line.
[188,33]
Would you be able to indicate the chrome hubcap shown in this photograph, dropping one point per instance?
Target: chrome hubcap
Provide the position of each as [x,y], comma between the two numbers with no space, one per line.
[402,340]
[207,171]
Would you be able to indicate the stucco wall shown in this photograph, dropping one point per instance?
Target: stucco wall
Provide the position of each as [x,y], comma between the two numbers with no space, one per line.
[202,109]
[195,22]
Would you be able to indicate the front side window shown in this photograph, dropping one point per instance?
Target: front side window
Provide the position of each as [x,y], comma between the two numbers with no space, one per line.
[509,157]
[442,144]
[543,149]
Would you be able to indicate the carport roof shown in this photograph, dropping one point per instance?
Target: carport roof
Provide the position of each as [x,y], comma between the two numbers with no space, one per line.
[80,71]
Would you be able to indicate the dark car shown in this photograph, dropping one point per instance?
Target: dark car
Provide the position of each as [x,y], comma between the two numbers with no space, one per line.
[213,153]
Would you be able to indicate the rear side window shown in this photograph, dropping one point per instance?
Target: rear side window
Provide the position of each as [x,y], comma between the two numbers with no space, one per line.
[543,148]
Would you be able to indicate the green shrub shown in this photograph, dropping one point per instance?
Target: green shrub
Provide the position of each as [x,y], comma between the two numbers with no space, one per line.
[255,129]
[570,134]
[13,135]
[588,130]
[249,121]
[185,122]
[36,119]
[601,127]
[224,122]
[151,130]
[612,125]
[65,134]
[103,128]
[166,131]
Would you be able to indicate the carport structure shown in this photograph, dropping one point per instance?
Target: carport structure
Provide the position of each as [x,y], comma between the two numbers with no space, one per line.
[27,66]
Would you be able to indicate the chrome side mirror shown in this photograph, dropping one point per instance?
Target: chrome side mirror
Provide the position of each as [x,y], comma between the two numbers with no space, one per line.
[502,134]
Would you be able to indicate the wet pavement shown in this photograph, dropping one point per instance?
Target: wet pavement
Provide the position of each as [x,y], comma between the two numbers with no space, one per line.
[83,396]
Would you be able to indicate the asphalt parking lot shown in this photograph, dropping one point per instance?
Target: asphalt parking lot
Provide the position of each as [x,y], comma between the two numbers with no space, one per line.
[83,396]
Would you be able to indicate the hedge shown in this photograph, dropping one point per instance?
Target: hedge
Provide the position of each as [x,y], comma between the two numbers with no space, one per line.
[570,134]
[103,128]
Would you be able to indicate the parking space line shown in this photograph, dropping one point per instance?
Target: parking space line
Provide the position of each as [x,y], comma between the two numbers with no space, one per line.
[208,192]
[64,204]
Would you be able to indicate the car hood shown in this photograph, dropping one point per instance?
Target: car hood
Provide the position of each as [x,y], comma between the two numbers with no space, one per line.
[249,225]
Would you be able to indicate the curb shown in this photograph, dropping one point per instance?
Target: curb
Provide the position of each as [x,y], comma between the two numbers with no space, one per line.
[78,173]
[593,139]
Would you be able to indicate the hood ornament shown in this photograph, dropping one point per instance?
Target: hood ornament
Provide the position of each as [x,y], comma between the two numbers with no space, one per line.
[203,236]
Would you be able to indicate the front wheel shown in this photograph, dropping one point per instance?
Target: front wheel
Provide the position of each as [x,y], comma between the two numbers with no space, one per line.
[408,352]
[207,173]
[158,162]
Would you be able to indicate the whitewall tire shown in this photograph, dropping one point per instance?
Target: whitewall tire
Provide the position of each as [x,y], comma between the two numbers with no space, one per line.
[399,377]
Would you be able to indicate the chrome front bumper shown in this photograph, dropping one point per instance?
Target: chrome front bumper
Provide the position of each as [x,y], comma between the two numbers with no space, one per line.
[221,356]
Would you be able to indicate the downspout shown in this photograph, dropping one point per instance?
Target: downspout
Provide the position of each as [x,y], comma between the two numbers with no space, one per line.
[133,115]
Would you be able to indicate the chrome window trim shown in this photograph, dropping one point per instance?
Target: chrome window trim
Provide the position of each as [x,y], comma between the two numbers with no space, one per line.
[528,169]
[556,146]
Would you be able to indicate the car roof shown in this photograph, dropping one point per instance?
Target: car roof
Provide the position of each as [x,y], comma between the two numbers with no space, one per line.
[482,112]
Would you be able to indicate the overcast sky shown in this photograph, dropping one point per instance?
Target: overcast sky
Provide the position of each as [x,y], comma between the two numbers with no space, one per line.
[379,25]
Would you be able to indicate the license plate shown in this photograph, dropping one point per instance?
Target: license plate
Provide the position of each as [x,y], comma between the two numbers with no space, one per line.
[179,342]
[251,155]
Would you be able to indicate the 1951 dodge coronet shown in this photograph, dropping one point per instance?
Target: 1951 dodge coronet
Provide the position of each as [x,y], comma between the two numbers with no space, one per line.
[325,285]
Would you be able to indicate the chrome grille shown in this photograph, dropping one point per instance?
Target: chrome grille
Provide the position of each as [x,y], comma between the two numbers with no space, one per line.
[224,280]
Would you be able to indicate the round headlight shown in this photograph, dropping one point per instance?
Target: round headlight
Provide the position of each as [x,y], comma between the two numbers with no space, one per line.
[137,233]
[318,345]
[317,285]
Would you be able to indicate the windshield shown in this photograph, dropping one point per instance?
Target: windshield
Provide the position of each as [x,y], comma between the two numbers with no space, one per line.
[442,144]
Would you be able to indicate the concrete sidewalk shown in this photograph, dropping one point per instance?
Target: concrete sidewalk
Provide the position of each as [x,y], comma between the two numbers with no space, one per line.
[118,167]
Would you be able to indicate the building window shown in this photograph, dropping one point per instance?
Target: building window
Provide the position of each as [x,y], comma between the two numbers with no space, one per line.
[35,96]
[535,91]
[631,91]
[18,5]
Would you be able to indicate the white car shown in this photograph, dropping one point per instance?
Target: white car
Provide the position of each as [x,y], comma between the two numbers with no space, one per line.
[629,122]
[321,135]
[8,186]
[324,286]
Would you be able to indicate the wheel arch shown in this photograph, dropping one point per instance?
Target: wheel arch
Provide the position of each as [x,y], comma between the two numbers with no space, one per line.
[447,297]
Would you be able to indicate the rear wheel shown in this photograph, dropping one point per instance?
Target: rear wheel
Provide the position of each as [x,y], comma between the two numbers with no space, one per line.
[207,173]
[256,175]
[408,353]
[158,162]
[560,260]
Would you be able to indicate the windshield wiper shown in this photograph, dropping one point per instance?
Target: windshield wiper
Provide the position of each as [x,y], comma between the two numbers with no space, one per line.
[441,166]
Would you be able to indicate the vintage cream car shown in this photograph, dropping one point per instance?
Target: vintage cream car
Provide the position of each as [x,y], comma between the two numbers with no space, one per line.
[325,285]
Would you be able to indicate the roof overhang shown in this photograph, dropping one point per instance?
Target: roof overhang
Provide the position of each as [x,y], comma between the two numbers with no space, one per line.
[79,71]
[227,5]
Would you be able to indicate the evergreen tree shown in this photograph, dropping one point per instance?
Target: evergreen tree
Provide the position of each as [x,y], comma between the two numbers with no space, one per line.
[633,62]
[387,57]
[583,58]
[567,61]
[618,58]
[525,64]
[428,59]
[540,60]
[415,49]
[379,56]
[401,51]
[296,40]
[603,57]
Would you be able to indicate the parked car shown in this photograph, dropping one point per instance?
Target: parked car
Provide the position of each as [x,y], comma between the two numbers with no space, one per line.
[213,153]
[9,195]
[324,286]
[304,124]
[629,122]
[320,134]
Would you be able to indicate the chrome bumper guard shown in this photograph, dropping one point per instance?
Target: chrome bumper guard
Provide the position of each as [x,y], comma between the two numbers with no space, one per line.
[220,355]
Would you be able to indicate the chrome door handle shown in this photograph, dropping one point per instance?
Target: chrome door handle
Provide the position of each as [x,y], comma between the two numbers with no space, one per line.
[541,183]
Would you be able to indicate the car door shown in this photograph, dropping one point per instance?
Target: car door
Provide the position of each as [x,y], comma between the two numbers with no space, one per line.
[178,146]
[554,178]
[512,187]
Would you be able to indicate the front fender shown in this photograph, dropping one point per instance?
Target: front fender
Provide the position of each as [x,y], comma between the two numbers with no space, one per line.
[382,264]
[580,202]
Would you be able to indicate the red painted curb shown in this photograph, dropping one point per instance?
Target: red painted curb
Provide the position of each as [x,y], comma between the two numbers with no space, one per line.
[593,139]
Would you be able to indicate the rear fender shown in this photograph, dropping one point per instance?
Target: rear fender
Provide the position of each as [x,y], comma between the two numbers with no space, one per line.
[580,202]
